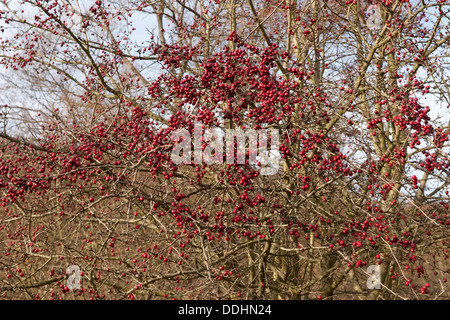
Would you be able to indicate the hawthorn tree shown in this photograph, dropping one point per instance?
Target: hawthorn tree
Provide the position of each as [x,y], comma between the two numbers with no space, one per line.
[95,90]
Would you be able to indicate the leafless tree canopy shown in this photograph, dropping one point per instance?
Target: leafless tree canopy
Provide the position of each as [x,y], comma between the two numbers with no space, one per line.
[92,90]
